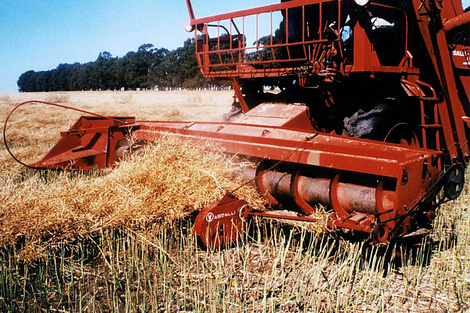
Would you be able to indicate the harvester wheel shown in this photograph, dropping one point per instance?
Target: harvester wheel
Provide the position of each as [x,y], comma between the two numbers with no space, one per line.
[369,124]
[454,182]
[402,134]
[123,148]
[126,147]
[385,123]
[380,234]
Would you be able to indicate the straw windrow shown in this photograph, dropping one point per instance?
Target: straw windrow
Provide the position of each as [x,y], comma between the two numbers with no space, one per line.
[168,182]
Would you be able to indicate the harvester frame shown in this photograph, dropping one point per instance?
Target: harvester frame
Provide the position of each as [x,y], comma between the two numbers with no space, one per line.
[368,116]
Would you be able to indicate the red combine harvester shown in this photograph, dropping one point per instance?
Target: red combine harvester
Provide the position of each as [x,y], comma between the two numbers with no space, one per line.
[360,106]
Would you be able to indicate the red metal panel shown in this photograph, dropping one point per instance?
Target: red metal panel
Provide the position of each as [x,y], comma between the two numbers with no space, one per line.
[277,143]
[86,144]
[450,108]
[220,224]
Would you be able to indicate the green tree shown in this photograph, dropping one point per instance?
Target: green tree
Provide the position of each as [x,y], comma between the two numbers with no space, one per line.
[27,81]
[148,67]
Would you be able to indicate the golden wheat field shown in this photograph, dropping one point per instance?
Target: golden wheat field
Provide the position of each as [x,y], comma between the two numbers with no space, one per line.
[122,240]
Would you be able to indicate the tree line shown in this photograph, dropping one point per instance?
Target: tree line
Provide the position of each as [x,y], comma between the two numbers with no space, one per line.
[146,68]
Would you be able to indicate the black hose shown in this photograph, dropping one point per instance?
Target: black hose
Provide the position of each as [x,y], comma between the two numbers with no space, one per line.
[51,104]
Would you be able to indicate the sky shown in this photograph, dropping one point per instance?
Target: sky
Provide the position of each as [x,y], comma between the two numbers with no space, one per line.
[41,34]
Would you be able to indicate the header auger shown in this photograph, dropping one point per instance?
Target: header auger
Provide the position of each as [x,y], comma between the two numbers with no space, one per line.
[360,106]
